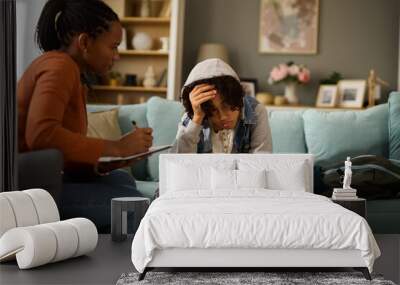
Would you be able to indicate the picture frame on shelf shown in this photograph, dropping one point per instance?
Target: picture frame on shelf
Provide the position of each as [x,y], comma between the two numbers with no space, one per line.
[351,93]
[250,86]
[288,27]
[327,96]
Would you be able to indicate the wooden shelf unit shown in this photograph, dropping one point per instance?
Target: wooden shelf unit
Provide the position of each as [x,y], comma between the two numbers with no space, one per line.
[136,62]
[145,20]
[142,53]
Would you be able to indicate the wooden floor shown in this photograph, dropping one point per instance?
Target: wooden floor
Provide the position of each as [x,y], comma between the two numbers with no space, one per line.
[110,260]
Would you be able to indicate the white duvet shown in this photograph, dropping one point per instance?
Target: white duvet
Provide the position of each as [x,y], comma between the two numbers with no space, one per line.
[253,218]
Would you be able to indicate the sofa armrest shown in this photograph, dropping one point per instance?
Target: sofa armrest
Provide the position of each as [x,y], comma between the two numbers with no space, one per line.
[41,169]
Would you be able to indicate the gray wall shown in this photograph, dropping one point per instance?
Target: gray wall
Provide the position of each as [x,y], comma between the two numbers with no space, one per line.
[28,12]
[354,36]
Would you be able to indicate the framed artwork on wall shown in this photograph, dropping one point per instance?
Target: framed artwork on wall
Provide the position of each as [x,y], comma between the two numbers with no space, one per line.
[288,26]
[351,93]
[327,96]
[250,86]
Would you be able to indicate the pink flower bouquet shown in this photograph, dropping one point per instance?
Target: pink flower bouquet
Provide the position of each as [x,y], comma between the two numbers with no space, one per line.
[289,72]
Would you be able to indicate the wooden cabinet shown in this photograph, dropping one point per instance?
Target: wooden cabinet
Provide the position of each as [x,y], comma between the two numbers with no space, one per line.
[163,18]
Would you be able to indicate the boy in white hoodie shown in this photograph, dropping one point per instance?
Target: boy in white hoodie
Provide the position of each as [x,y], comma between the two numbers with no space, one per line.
[219,118]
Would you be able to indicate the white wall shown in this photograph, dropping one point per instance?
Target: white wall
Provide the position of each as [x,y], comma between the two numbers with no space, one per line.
[28,12]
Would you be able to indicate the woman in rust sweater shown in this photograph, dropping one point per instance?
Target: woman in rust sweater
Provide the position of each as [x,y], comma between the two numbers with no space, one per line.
[77,37]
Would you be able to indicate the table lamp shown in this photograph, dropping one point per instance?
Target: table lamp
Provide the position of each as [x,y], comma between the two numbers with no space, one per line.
[212,50]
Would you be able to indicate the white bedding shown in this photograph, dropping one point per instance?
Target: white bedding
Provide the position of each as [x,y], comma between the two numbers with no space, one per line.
[251,218]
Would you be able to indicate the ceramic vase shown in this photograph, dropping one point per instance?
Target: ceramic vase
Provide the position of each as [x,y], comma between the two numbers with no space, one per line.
[290,93]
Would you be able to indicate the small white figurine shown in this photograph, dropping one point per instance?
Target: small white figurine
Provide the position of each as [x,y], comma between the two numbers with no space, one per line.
[347,174]
[149,77]
[123,45]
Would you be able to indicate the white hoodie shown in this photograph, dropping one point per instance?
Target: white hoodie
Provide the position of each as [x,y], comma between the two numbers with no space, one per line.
[188,135]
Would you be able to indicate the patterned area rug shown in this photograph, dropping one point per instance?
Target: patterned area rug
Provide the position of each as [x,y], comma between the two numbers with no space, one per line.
[244,278]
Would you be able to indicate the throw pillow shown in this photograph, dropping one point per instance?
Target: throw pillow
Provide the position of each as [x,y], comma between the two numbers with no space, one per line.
[251,178]
[290,175]
[332,136]
[182,176]
[287,130]
[223,179]
[163,116]
[227,179]
[104,125]
[394,126]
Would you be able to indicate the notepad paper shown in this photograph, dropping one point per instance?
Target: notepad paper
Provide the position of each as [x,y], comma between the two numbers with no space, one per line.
[151,150]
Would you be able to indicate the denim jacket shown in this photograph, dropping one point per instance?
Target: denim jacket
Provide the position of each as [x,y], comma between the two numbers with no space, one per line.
[252,133]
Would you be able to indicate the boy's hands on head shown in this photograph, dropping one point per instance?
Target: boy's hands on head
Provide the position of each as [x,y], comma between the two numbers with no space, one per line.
[200,94]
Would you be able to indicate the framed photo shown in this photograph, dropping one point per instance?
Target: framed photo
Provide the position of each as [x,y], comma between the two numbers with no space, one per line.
[250,86]
[289,26]
[327,95]
[351,93]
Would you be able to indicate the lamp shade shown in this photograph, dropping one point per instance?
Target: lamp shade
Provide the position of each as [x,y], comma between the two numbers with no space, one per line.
[213,50]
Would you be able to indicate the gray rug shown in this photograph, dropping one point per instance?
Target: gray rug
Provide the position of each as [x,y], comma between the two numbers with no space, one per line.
[243,278]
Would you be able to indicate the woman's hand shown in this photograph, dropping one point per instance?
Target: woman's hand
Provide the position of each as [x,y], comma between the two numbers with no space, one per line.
[138,141]
[200,94]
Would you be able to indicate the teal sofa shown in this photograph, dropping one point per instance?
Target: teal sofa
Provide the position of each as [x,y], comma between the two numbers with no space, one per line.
[330,136]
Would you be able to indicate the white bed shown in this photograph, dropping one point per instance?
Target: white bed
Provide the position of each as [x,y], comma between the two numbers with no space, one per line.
[247,210]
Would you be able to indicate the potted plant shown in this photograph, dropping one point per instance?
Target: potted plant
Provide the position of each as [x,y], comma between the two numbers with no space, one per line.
[115,78]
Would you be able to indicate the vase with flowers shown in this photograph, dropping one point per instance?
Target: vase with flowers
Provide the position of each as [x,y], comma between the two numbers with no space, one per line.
[290,74]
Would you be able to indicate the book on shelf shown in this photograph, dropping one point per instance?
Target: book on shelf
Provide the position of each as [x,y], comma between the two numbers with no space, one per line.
[162,81]
[335,197]
[341,190]
[344,194]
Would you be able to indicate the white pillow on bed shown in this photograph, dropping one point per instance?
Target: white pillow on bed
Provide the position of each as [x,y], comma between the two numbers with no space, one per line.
[190,176]
[251,178]
[225,179]
[281,174]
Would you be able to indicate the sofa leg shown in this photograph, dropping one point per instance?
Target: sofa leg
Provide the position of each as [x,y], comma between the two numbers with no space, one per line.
[364,271]
[143,274]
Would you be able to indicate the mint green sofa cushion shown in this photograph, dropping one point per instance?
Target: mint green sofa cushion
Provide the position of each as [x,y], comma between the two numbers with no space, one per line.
[127,114]
[394,125]
[147,188]
[287,131]
[163,116]
[332,136]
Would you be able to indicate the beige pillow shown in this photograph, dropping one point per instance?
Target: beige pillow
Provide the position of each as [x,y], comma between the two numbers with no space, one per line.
[104,125]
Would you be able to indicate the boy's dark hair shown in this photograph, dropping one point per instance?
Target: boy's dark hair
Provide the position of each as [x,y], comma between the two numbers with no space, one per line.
[60,20]
[229,88]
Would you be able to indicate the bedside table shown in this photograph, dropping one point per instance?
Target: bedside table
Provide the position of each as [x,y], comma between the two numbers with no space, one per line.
[358,205]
